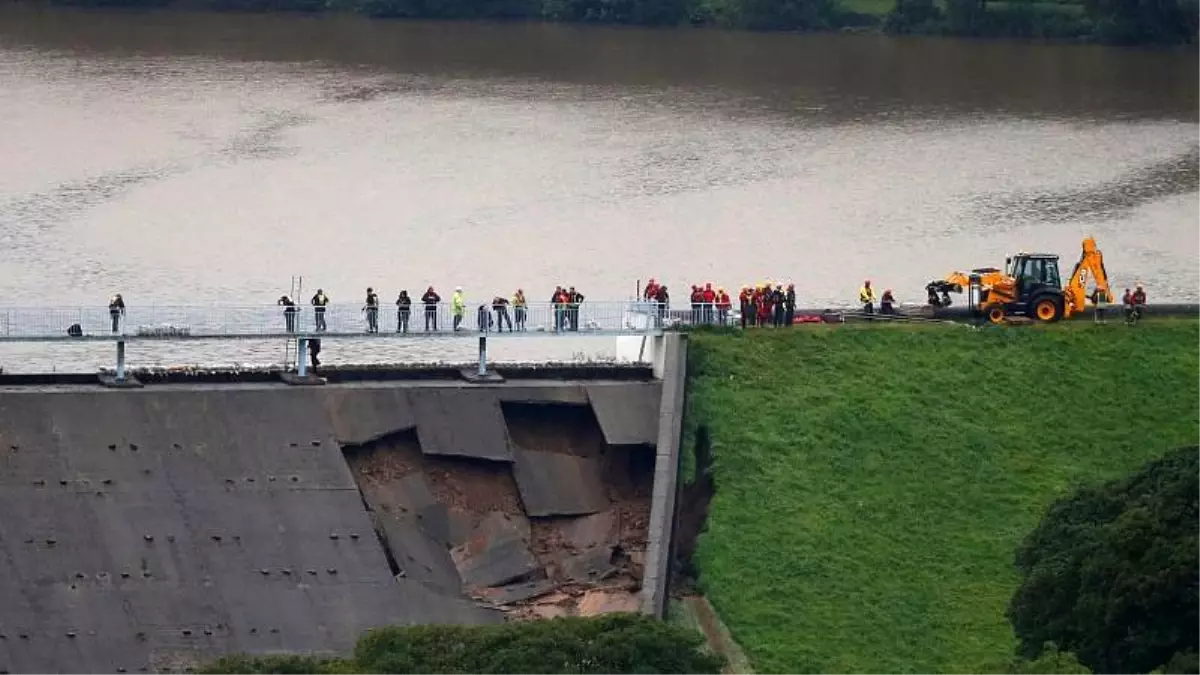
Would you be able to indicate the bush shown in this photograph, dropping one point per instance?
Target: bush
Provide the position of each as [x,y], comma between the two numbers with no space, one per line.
[282,663]
[614,643]
[1111,572]
[913,16]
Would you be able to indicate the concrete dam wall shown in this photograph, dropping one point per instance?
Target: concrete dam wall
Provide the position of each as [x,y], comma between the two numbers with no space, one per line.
[146,530]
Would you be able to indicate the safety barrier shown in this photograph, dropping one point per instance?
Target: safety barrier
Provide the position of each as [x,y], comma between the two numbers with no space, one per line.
[167,322]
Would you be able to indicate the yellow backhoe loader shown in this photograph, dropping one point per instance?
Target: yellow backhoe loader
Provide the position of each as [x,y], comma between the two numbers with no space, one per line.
[1029,285]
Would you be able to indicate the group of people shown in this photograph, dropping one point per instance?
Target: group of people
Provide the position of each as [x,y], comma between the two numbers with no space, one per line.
[1133,303]
[762,305]
[565,303]
[866,296]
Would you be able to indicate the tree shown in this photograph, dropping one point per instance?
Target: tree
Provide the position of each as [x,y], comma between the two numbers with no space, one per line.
[1111,572]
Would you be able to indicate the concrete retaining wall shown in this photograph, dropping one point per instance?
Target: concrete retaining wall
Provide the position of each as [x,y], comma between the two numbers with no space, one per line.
[666,475]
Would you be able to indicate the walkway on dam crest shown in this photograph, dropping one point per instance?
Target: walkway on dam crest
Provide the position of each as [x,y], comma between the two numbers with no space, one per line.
[256,322]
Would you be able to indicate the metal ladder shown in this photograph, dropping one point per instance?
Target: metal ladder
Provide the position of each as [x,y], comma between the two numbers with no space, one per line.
[289,346]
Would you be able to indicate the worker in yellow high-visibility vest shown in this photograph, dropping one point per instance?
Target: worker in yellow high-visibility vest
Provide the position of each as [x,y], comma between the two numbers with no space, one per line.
[866,295]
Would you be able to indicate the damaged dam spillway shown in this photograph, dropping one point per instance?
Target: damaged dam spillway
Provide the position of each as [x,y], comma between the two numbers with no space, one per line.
[151,529]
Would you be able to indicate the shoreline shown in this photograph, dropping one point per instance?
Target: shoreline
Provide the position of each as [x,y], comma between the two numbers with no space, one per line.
[1062,25]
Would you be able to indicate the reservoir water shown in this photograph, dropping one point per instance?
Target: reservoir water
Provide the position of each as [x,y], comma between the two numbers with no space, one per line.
[193,158]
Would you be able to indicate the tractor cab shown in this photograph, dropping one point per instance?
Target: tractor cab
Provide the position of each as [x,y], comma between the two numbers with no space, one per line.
[1033,272]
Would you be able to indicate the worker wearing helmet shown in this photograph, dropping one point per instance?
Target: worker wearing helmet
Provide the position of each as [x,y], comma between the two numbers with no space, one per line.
[866,296]
[789,305]
[723,306]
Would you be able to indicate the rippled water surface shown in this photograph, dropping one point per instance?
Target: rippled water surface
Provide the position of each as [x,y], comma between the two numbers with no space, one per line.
[194,158]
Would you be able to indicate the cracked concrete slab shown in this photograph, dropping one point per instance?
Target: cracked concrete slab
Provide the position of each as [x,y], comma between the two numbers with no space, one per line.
[462,423]
[553,484]
[628,414]
[496,553]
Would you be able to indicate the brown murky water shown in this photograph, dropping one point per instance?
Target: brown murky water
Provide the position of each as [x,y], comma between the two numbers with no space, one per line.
[196,158]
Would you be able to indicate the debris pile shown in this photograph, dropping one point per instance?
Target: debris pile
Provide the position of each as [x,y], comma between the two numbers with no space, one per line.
[559,531]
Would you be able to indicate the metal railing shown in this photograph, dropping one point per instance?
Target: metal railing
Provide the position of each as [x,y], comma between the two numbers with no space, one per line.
[169,322]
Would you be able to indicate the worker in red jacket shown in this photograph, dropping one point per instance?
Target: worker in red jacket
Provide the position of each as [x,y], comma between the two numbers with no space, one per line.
[723,305]
[709,299]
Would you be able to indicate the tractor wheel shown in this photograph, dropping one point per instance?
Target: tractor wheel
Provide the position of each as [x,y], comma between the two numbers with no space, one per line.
[996,315]
[1047,309]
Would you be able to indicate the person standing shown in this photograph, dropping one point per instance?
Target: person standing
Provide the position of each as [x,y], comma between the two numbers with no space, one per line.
[289,313]
[116,311]
[789,306]
[777,300]
[723,306]
[431,300]
[574,300]
[1137,304]
[458,306]
[558,303]
[519,309]
[403,308]
[887,304]
[663,299]
[319,302]
[709,297]
[371,307]
[745,306]
[866,296]
[500,306]
[314,348]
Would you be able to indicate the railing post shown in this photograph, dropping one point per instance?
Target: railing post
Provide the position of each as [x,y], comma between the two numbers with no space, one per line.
[301,363]
[482,356]
[120,360]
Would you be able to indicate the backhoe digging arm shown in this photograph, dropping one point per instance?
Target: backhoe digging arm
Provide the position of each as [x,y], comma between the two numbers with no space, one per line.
[1091,264]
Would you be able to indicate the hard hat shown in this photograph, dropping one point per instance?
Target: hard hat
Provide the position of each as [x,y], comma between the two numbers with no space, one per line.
[458,288]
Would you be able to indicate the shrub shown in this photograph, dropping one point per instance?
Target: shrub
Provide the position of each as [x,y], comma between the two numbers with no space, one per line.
[1111,572]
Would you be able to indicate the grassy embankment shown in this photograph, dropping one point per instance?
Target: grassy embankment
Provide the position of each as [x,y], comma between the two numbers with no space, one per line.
[873,482]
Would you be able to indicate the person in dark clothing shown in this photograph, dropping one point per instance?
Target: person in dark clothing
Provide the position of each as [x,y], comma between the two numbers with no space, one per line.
[314,348]
[789,305]
[289,313]
[500,306]
[484,317]
[557,302]
[746,308]
[431,300]
[663,299]
[574,300]
[777,306]
[371,307]
[116,310]
[696,299]
[319,302]
[887,303]
[403,308]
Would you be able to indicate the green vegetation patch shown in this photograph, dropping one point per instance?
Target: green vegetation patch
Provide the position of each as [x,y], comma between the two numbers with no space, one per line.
[614,643]
[874,482]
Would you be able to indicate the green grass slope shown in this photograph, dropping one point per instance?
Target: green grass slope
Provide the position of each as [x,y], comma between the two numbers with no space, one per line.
[873,482]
